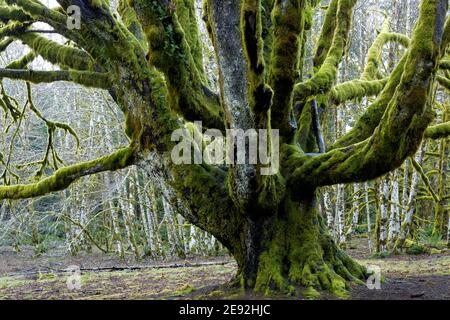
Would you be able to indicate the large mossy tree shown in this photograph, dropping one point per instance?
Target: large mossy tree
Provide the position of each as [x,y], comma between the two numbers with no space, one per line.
[148,55]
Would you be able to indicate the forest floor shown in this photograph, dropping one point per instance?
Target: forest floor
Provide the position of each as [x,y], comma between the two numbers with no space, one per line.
[23,276]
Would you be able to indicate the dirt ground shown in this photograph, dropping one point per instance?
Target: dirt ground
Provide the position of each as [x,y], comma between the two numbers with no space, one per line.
[23,276]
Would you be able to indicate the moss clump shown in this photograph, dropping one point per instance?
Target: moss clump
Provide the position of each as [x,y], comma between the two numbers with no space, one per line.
[444,82]
[183,290]
[416,249]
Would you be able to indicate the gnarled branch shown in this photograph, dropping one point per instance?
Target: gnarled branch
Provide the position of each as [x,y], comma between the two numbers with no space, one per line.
[63,177]
[89,79]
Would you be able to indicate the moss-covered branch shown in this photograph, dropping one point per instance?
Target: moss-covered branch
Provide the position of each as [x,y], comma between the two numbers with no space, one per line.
[131,22]
[356,89]
[425,179]
[369,84]
[170,52]
[439,131]
[327,33]
[56,53]
[445,64]
[5,43]
[185,10]
[260,94]
[288,20]
[323,80]
[374,54]
[446,37]
[402,127]
[8,14]
[444,82]
[63,177]
[22,62]
[371,118]
[88,79]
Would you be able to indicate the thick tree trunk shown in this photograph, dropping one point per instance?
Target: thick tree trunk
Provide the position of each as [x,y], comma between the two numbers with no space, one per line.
[293,252]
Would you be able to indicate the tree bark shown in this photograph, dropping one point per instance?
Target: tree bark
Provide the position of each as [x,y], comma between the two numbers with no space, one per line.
[293,249]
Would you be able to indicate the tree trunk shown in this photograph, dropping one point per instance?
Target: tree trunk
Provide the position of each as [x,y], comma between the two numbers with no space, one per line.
[394,217]
[411,206]
[384,214]
[448,230]
[355,210]
[340,217]
[328,210]
[369,222]
[294,250]
[439,207]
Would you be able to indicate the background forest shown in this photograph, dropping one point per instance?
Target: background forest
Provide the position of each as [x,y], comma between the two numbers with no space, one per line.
[124,214]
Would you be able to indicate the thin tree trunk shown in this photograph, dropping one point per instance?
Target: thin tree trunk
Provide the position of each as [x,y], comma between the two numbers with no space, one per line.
[128,216]
[384,205]
[114,213]
[340,217]
[328,211]
[355,209]
[405,190]
[369,223]
[411,207]
[394,210]
[439,211]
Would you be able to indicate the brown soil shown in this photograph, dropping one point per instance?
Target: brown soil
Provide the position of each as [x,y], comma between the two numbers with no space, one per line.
[23,276]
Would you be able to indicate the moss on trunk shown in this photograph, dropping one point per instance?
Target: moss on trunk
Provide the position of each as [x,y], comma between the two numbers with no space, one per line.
[293,253]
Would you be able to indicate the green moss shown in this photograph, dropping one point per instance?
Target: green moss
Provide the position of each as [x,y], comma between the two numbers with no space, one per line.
[416,249]
[56,53]
[131,22]
[22,62]
[5,43]
[88,79]
[356,89]
[327,33]
[323,80]
[444,64]
[260,95]
[438,131]
[186,289]
[444,82]
[15,14]
[299,254]
[374,54]
[62,178]
[170,52]
[185,10]
[399,133]
[288,25]
[366,125]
